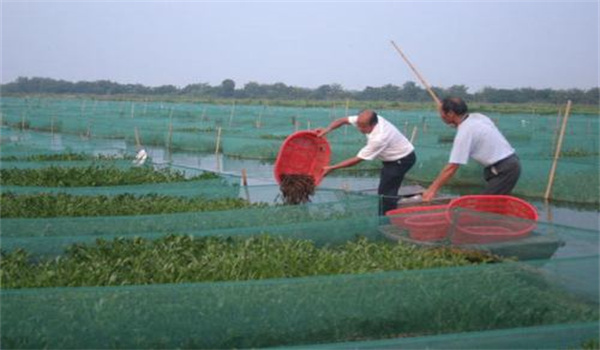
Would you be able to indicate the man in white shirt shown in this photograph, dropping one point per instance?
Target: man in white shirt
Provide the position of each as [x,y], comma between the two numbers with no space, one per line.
[384,142]
[477,137]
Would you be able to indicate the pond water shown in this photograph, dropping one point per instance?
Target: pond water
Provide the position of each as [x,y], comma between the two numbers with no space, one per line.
[261,173]
[262,185]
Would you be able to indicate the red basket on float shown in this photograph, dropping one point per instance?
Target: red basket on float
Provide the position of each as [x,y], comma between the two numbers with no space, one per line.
[424,223]
[514,218]
[303,153]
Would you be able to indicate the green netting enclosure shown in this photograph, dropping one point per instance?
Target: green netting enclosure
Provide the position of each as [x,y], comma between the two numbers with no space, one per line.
[34,125]
[542,292]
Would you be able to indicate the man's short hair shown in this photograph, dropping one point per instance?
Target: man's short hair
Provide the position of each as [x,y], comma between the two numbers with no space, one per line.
[454,104]
[372,116]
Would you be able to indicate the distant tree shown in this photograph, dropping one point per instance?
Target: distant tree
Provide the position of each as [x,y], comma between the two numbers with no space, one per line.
[227,88]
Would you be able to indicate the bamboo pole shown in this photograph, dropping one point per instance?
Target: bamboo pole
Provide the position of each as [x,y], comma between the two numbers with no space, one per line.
[138,143]
[347,103]
[260,117]
[170,140]
[414,133]
[429,90]
[232,113]
[132,109]
[557,152]
[244,178]
[218,140]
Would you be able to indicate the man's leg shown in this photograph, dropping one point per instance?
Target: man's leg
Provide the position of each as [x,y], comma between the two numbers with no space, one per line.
[392,175]
[508,173]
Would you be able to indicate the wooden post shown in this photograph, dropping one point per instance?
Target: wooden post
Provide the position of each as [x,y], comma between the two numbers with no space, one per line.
[260,117]
[218,140]
[145,106]
[232,113]
[244,178]
[308,124]
[132,109]
[138,143]
[203,113]
[557,151]
[170,139]
[429,90]
[347,102]
[414,133]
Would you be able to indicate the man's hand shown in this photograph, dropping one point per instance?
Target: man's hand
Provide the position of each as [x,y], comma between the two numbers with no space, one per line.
[326,170]
[321,132]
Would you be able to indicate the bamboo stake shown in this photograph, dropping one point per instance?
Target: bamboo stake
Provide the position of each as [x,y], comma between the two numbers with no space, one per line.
[308,124]
[429,90]
[170,140]
[203,113]
[347,103]
[138,143]
[260,118]
[244,178]
[132,109]
[245,185]
[218,140]
[557,152]
[414,133]
[232,113]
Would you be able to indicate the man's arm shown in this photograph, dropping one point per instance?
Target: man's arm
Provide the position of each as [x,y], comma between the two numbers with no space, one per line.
[445,175]
[334,125]
[343,164]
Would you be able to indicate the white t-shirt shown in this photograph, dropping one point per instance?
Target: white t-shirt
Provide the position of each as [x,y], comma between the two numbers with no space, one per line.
[479,138]
[385,142]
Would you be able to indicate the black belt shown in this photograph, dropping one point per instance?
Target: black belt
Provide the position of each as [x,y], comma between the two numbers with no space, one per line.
[396,161]
[502,160]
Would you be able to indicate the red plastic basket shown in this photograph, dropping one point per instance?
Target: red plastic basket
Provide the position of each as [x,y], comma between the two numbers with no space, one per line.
[303,153]
[424,223]
[474,228]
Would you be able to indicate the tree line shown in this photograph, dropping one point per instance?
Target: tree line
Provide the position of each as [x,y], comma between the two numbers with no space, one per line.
[408,92]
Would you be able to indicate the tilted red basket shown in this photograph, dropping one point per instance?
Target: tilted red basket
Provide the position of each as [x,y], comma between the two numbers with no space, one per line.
[303,153]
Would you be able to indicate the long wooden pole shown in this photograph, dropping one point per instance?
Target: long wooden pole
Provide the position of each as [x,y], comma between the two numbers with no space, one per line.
[429,90]
[557,151]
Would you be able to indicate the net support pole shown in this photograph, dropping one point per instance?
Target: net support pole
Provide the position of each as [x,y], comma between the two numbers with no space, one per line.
[232,113]
[557,151]
[244,178]
[136,133]
[413,135]
[419,76]
[218,142]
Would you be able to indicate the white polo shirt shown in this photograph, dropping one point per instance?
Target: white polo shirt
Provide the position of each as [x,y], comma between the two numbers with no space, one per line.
[385,142]
[479,138]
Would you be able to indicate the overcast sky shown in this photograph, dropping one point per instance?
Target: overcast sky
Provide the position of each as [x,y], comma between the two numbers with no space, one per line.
[502,44]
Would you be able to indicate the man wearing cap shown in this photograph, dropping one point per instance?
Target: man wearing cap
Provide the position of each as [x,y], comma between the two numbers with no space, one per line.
[477,137]
[384,142]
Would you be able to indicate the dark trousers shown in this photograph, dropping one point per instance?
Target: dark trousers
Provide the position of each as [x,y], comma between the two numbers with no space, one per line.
[390,180]
[502,177]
